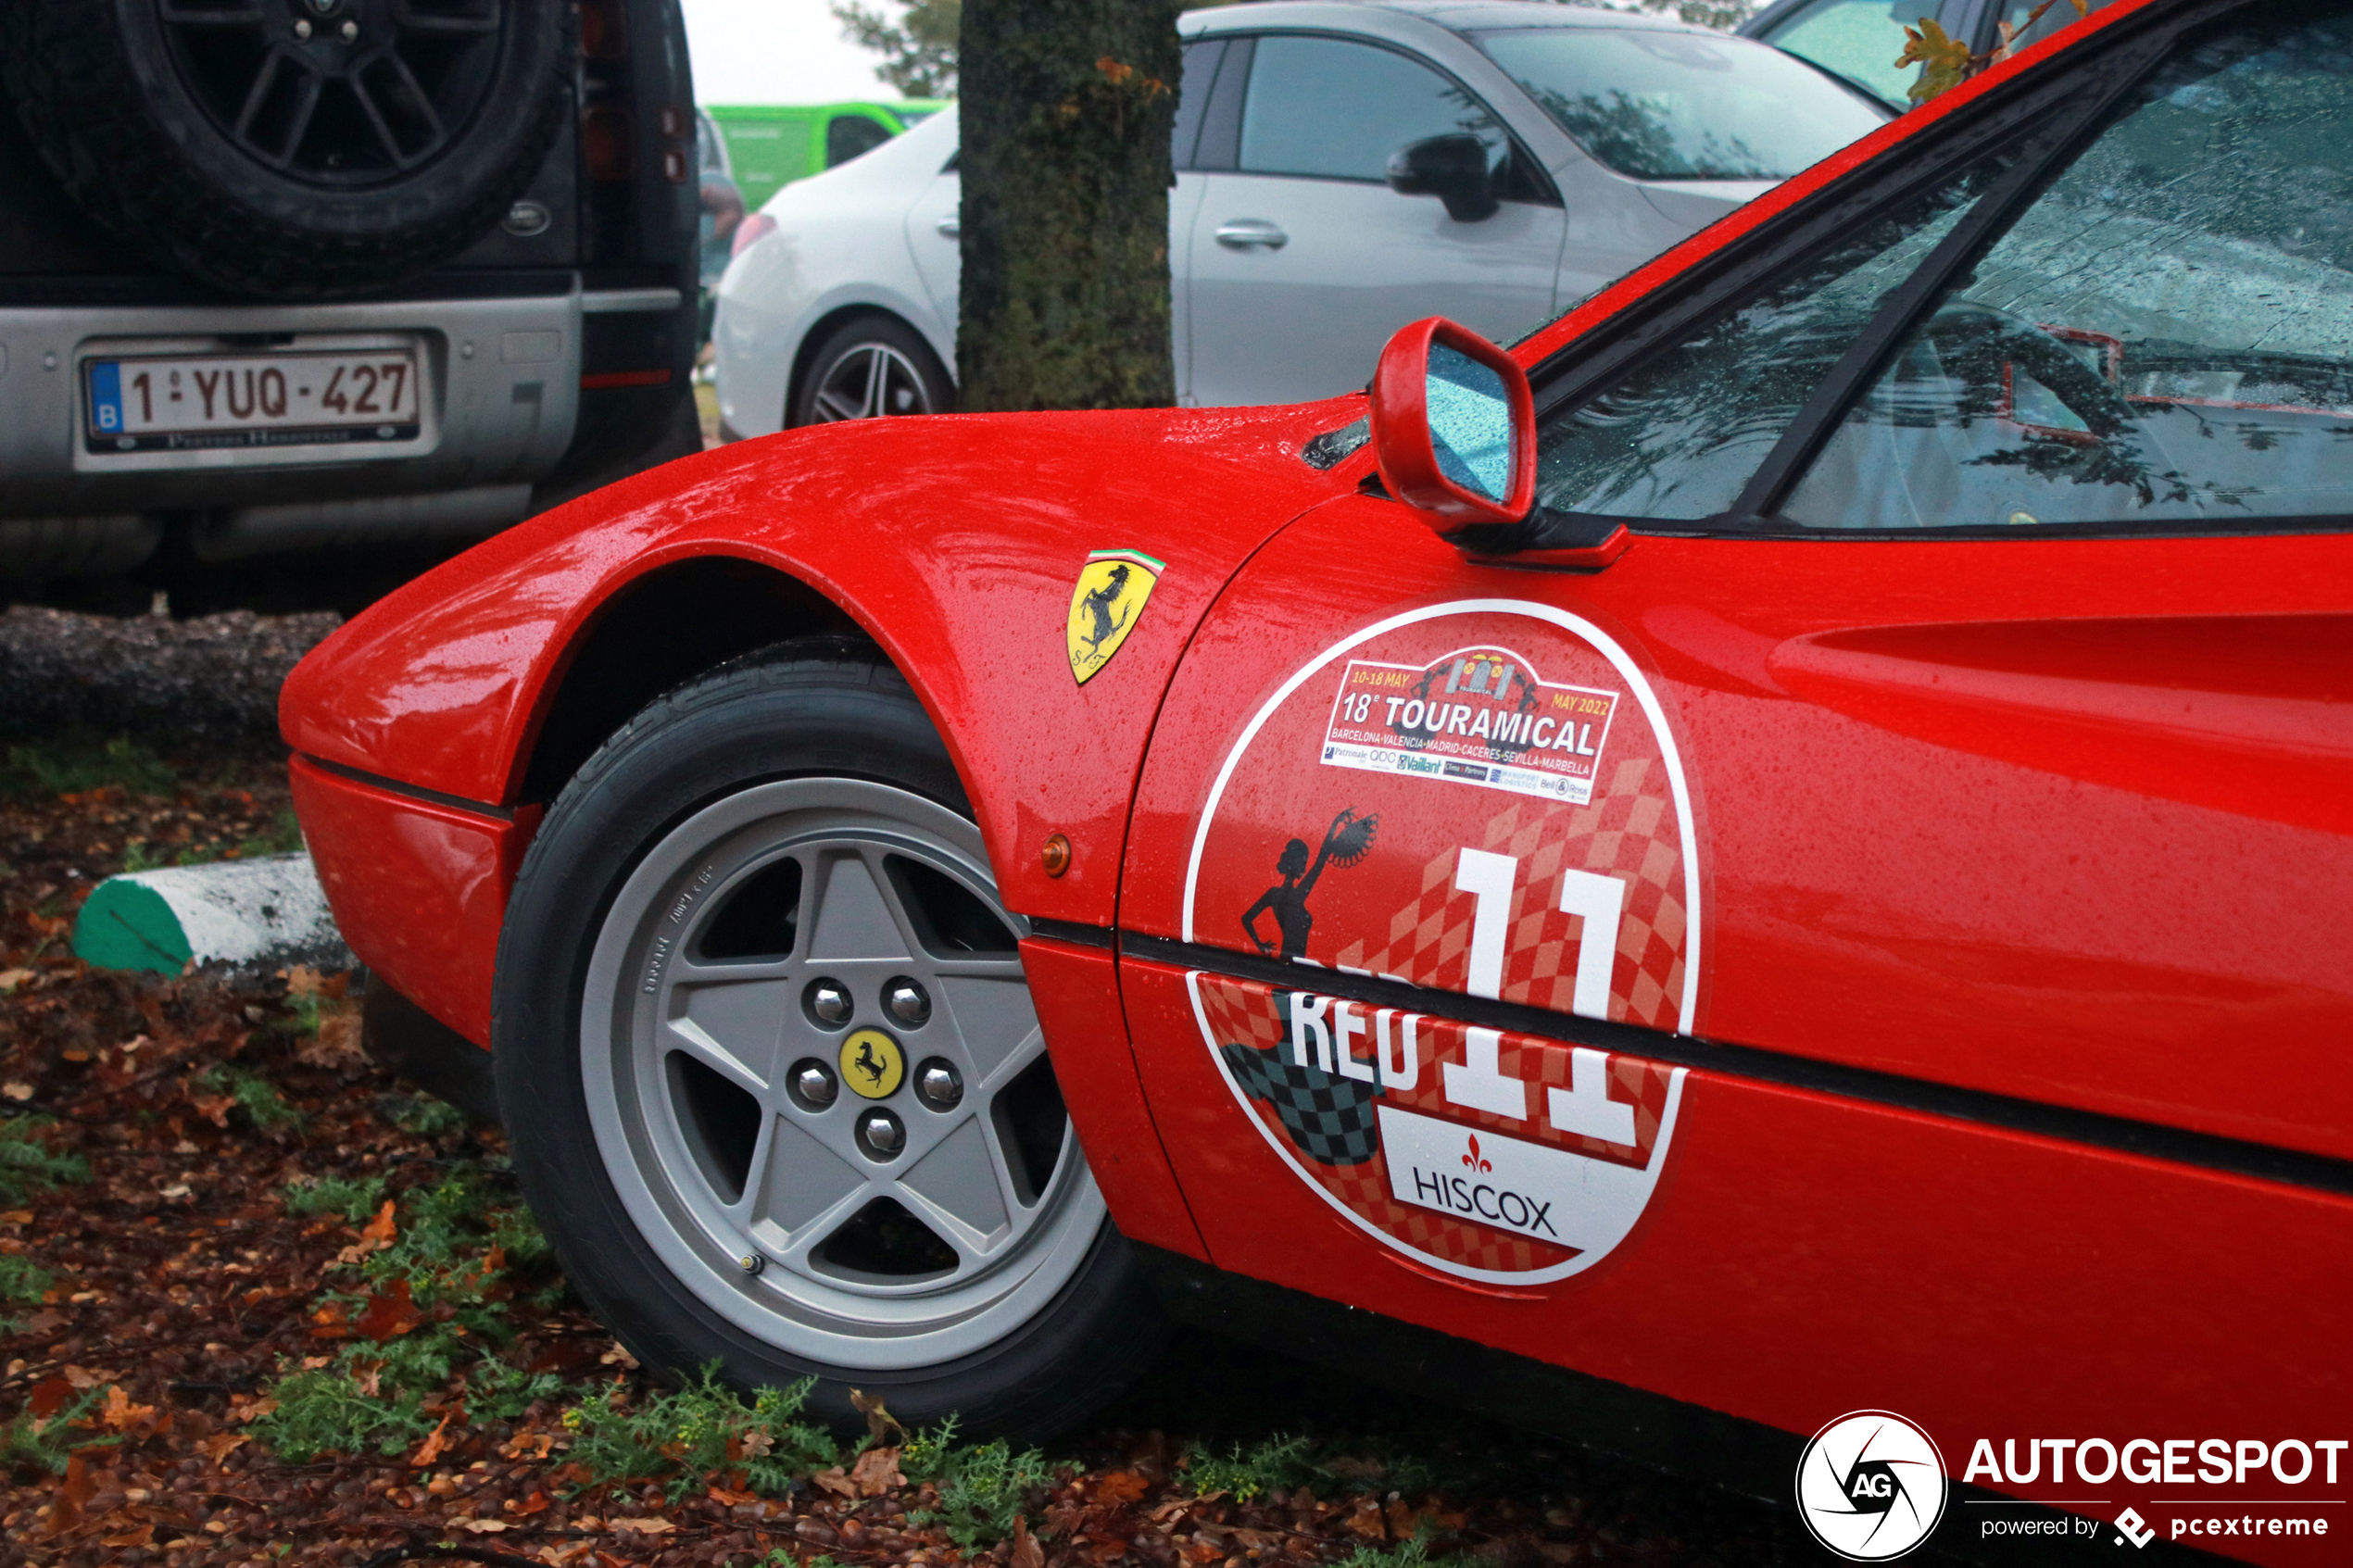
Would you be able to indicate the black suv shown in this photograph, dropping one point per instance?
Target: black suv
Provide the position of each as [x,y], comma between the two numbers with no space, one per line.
[1858,40]
[285,274]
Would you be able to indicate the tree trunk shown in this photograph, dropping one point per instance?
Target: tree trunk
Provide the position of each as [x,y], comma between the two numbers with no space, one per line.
[1067,107]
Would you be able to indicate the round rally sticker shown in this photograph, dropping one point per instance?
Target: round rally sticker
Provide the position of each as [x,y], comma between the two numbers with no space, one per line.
[1481,797]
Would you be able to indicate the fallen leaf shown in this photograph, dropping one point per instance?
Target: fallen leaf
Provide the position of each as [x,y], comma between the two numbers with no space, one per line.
[242,1409]
[879,1422]
[337,1042]
[12,978]
[120,1412]
[65,1508]
[1121,1486]
[527,1445]
[483,1526]
[559,1556]
[16,1090]
[83,1377]
[876,1472]
[430,1449]
[1027,1553]
[536,1503]
[390,1314]
[221,1443]
[379,1232]
[835,1482]
[302,980]
[49,1396]
[214,1109]
[144,1535]
[642,1526]
[618,1355]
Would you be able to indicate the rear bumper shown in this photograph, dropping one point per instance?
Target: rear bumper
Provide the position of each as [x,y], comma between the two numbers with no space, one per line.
[503,394]
[419,885]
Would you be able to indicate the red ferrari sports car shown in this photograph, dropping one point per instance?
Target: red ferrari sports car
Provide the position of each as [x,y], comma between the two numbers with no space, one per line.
[1765,880]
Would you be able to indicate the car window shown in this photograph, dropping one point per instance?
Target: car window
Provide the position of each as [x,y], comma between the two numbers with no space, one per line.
[1859,39]
[1331,109]
[1193,98]
[1657,104]
[849,135]
[1680,437]
[2164,336]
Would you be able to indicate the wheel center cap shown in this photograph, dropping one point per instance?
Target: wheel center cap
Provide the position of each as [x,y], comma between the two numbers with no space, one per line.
[872,1064]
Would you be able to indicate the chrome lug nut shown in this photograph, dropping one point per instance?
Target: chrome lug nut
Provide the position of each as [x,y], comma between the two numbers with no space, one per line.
[752,1262]
[350,31]
[905,1001]
[880,1136]
[302,27]
[830,1003]
[812,1085]
[938,1085]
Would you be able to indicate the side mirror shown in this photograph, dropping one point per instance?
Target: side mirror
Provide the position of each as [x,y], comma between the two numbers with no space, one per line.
[1454,427]
[1452,168]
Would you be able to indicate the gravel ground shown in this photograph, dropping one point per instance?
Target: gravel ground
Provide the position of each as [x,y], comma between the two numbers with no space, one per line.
[208,684]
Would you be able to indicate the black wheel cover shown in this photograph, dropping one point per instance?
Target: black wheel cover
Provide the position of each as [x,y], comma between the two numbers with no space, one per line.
[291,148]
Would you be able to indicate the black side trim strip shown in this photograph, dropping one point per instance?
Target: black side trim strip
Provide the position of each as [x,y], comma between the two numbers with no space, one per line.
[1071,932]
[414,792]
[2236,1156]
[1739,1455]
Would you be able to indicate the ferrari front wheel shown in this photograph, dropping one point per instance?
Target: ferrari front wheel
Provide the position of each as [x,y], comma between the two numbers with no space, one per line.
[771,1074]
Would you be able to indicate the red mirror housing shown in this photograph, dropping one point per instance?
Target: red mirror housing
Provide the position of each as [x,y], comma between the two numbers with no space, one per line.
[1454,427]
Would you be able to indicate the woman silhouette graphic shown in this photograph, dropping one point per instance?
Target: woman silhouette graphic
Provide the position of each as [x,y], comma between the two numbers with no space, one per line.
[1345,843]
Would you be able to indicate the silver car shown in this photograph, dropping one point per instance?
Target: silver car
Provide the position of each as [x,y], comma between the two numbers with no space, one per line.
[1343,169]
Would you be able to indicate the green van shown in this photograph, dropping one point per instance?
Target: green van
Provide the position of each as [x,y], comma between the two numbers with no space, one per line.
[770,145]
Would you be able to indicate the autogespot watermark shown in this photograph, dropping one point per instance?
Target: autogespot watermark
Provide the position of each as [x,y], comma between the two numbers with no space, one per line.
[2170,1463]
[1871,1486]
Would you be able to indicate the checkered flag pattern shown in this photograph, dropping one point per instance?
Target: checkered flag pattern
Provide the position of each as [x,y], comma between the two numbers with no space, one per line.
[1241,1010]
[1629,832]
[1330,1119]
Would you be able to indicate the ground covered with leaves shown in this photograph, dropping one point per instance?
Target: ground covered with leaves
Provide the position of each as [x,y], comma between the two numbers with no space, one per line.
[261,1304]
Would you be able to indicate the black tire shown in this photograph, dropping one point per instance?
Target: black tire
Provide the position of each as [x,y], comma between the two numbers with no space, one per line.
[137,113]
[854,354]
[811,713]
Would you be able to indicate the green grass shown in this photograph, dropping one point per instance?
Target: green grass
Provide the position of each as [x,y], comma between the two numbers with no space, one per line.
[704,1426]
[983,1486]
[426,1117]
[1277,1464]
[255,1095]
[29,1165]
[36,1443]
[355,1202]
[73,764]
[282,836]
[21,1279]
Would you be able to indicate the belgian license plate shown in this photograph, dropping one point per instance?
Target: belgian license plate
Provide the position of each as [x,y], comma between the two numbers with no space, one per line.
[193,402]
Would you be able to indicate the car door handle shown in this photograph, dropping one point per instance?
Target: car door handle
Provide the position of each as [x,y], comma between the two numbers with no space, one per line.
[951,225]
[1249,233]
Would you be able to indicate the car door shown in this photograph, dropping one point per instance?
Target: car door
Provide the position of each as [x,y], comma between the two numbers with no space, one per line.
[1859,39]
[1913,871]
[1301,260]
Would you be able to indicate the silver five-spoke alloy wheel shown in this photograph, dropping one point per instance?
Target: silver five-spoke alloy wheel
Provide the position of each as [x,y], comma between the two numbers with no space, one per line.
[817,1082]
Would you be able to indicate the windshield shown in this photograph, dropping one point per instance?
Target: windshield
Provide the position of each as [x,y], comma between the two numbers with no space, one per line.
[1658,105]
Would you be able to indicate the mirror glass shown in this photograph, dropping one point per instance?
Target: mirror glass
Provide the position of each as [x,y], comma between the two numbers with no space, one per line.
[1470,422]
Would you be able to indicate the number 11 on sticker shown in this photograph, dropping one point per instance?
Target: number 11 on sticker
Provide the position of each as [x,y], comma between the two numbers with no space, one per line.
[1479,1083]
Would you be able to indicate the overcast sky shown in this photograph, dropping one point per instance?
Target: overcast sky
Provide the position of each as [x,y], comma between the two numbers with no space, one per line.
[775,52]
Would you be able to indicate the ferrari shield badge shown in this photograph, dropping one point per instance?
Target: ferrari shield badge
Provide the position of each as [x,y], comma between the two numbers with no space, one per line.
[1111,594]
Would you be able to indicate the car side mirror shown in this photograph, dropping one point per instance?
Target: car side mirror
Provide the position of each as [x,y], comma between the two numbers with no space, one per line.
[1454,169]
[1454,427]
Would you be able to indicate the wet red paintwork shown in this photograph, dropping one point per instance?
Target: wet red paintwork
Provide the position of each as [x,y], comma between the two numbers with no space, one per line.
[1801,1250]
[422,885]
[2062,821]
[1077,995]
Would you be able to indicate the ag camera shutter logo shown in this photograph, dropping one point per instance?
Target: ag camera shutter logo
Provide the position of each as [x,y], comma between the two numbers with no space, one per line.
[1871,1486]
